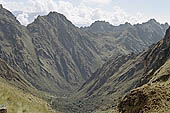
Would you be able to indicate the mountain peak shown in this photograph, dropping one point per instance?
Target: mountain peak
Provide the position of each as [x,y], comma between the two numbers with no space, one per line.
[54,18]
[7,15]
[100,23]
[152,21]
[54,13]
[101,26]
[127,23]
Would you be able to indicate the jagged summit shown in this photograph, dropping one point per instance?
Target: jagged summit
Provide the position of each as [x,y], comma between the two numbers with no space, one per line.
[54,13]
[152,21]
[124,26]
[54,18]
[7,15]
[100,27]
[98,22]
[127,23]
[106,27]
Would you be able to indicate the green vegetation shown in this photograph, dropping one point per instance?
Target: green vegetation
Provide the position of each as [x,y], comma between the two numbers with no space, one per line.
[51,58]
[152,97]
[57,57]
[17,101]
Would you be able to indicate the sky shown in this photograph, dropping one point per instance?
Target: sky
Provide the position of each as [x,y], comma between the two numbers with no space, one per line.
[85,12]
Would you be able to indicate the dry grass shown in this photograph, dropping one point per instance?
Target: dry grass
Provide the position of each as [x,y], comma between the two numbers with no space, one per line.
[17,101]
[155,95]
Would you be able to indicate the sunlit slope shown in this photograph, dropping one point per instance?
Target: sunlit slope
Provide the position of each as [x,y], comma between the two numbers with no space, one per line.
[17,101]
[14,93]
[153,97]
[154,94]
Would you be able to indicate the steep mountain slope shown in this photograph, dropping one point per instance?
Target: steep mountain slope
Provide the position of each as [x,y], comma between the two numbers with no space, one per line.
[72,51]
[124,73]
[57,57]
[107,85]
[11,76]
[51,53]
[14,93]
[153,96]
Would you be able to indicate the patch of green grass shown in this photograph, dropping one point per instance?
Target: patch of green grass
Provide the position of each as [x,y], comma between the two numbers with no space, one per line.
[17,101]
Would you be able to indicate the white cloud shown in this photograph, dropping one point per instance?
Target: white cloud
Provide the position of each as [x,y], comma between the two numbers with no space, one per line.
[98,1]
[23,18]
[43,5]
[80,15]
[84,15]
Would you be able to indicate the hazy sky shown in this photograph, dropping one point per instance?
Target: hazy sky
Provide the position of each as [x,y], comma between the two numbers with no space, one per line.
[84,12]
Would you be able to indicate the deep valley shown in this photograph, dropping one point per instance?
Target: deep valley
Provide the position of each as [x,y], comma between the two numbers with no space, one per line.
[51,65]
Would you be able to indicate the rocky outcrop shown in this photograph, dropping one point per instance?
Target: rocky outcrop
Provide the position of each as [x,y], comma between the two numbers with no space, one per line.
[146,99]
[133,102]
[3,109]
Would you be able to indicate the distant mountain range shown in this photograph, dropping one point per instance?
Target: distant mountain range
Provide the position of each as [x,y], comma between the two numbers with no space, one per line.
[95,66]
[126,37]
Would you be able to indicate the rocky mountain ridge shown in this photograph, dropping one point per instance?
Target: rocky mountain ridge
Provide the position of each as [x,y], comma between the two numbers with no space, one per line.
[127,38]
[54,56]
[57,57]
[51,52]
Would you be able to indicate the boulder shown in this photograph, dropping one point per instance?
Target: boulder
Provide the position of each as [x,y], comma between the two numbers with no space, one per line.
[3,109]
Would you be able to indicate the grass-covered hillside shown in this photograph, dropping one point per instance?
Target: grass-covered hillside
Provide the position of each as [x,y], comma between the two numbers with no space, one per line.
[17,101]
[153,97]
